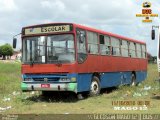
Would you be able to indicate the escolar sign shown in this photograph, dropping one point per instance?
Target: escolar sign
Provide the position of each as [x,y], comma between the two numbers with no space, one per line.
[47,29]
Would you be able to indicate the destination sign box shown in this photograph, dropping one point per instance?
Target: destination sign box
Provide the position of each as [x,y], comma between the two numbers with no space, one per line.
[47,29]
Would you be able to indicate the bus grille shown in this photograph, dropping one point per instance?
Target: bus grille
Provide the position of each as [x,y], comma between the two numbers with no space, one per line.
[44,77]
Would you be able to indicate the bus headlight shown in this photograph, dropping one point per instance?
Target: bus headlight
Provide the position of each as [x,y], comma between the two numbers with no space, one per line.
[73,79]
[28,79]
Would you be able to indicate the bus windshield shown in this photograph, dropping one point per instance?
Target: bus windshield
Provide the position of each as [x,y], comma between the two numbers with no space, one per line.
[49,49]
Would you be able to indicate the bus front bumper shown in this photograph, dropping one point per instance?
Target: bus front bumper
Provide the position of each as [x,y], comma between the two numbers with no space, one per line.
[49,87]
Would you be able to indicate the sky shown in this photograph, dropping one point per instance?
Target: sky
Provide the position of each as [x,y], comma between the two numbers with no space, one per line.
[116,16]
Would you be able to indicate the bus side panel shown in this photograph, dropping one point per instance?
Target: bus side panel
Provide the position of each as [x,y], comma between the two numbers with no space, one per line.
[141,75]
[84,82]
[110,79]
[120,78]
[126,78]
[115,79]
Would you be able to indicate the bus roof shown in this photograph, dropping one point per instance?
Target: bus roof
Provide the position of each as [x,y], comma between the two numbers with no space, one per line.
[93,30]
[109,34]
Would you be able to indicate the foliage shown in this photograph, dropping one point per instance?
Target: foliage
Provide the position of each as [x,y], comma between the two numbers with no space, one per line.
[6,50]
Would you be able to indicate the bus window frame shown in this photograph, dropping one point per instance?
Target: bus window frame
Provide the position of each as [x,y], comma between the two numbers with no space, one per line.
[98,43]
[110,47]
[46,35]
[76,47]
[115,47]
[125,48]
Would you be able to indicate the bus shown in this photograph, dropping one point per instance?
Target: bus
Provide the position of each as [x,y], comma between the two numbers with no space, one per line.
[77,58]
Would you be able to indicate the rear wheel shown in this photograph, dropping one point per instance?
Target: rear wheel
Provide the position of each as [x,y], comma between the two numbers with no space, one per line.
[95,86]
[133,80]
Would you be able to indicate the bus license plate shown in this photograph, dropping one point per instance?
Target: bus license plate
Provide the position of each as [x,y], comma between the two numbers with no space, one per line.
[45,85]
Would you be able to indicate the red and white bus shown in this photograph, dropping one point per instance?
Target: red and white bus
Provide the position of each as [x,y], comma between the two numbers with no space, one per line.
[72,57]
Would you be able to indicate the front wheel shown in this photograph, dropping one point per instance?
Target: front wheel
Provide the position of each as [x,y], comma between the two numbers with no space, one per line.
[95,87]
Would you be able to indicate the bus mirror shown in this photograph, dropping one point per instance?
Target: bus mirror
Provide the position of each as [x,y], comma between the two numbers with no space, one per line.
[153,34]
[14,42]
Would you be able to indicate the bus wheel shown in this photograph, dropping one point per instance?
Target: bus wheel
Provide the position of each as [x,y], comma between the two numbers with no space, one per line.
[95,86]
[80,96]
[133,80]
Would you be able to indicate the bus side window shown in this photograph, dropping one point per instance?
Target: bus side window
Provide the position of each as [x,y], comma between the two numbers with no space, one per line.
[124,48]
[113,51]
[81,45]
[92,42]
[143,51]
[115,42]
[139,50]
[104,45]
[132,49]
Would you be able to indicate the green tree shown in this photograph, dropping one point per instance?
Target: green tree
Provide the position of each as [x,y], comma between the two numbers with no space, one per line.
[6,50]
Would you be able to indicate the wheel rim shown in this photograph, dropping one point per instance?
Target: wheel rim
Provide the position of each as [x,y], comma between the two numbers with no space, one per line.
[94,87]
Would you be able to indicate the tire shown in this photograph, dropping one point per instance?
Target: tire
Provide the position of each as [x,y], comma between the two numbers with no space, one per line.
[80,96]
[133,80]
[94,87]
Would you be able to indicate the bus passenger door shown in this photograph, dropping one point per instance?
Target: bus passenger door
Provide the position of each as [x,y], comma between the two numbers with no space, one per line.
[83,82]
